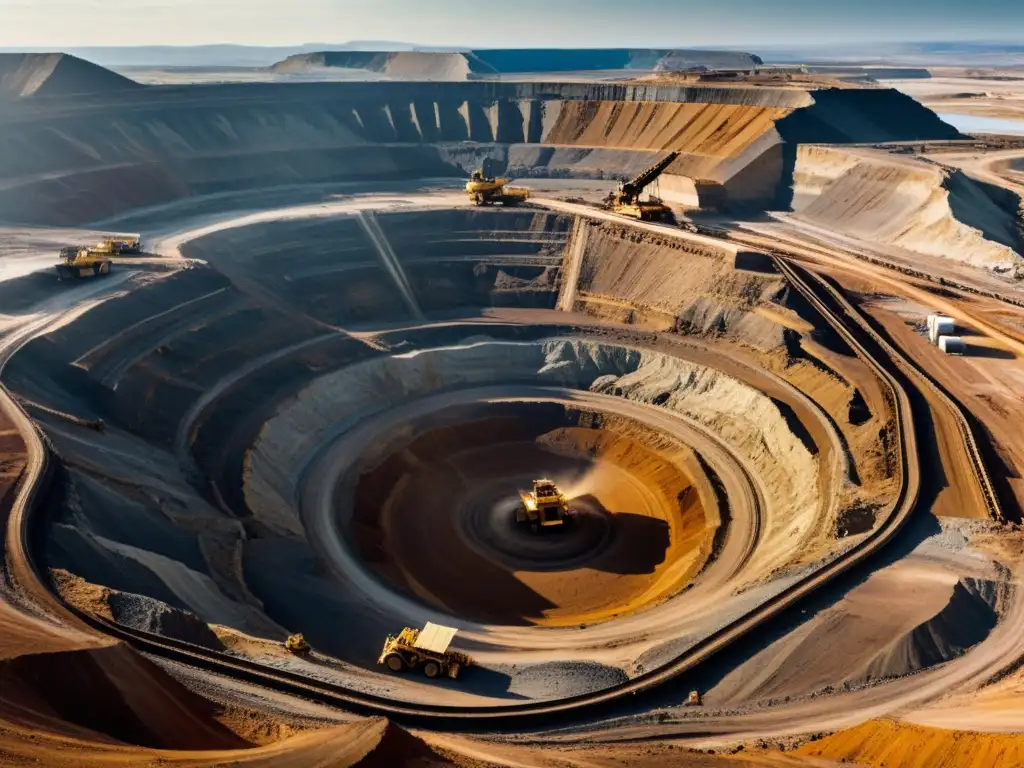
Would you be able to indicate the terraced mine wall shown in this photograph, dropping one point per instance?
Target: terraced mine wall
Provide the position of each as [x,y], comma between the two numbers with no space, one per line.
[80,159]
[912,204]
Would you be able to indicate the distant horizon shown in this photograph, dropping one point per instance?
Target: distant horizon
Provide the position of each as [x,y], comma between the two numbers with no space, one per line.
[402,46]
[732,24]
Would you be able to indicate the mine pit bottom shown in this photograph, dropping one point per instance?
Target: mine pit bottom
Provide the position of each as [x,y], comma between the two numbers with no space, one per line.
[444,527]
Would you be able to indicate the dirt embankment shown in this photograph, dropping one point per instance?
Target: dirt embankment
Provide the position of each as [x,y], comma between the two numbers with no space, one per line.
[671,284]
[911,204]
[929,617]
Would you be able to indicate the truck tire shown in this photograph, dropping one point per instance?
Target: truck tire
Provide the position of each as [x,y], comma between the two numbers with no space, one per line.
[394,662]
[431,669]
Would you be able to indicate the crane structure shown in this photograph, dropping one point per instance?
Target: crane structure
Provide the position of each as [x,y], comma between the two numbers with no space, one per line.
[627,200]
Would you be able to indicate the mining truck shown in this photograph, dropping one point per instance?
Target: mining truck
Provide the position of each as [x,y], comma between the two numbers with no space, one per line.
[119,244]
[425,649]
[627,200]
[544,507]
[81,262]
[487,190]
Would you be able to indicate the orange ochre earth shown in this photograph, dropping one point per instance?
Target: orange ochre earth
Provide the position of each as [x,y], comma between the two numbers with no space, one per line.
[892,744]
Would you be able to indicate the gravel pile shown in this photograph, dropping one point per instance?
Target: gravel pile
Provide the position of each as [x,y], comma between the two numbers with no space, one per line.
[148,615]
[561,679]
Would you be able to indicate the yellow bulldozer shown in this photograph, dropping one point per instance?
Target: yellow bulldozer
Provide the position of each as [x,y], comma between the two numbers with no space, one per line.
[79,261]
[627,200]
[543,507]
[426,649]
[488,190]
[297,644]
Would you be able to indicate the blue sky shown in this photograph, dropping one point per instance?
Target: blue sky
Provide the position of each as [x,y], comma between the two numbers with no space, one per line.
[506,23]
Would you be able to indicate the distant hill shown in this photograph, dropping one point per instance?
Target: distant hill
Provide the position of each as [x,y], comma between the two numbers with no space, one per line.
[222,55]
[584,59]
[25,75]
[467,65]
[920,53]
[405,64]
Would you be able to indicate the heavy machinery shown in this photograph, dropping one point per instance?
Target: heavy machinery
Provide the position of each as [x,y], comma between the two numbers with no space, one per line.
[79,261]
[119,244]
[426,649]
[488,190]
[627,200]
[544,507]
[297,644]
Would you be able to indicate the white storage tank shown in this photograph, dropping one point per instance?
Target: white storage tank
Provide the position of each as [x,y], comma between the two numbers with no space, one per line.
[940,326]
[952,345]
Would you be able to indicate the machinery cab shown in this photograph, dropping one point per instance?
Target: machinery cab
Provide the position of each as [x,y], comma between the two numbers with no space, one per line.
[544,507]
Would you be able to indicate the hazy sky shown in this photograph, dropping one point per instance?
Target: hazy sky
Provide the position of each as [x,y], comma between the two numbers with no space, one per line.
[507,23]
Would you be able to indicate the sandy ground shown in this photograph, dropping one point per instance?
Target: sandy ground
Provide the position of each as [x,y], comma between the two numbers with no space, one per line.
[984,92]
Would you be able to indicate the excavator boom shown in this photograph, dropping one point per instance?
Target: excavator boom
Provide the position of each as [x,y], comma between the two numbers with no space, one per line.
[628,203]
[645,178]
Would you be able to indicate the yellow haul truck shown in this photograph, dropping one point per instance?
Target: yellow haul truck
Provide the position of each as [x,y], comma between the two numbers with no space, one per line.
[544,507]
[118,244]
[426,649]
[79,262]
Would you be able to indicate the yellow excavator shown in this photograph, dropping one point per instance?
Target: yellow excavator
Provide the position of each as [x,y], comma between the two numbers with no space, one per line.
[80,261]
[627,200]
[488,190]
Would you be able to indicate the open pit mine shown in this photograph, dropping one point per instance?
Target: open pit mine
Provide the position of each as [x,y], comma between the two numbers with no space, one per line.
[308,457]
